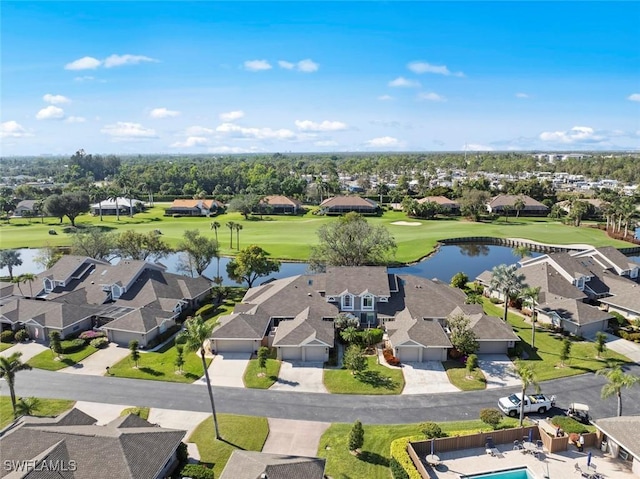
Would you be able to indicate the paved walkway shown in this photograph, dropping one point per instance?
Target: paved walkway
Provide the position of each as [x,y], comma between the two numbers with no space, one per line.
[28,350]
[426,377]
[300,377]
[296,438]
[498,370]
[96,364]
[227,369]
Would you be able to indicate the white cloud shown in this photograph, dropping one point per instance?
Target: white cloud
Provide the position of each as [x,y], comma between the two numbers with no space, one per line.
[232,129]
[50,113]
[326,125]
[231,115]
[191,142]
[634,97]
[402,82]
[424,67]
[385,97]
[84,63]
[126,59]
[198,131]
[55,99]
[286,65]
[84,78]
[307,66]
[75,119]
[326,143]
[231,149]
[384,142]
[476,147]
[13,129]
[124,131]
[257,65]
[158,113]
[431,96]
[577,134]
[521,95]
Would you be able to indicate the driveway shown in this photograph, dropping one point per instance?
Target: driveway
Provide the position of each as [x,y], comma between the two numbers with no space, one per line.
[295,438]
[300,376]
[622,346]
[96,364]
[227,369]
[28,350]
[426,377]
[183,420]
[104,413]
[497,369]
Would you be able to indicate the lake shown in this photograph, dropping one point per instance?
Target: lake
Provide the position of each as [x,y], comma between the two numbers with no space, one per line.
[472,259]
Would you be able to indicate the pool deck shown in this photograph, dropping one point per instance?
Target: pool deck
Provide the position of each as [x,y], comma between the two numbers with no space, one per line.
[552,466]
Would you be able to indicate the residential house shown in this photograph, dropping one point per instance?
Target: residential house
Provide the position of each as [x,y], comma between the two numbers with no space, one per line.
[26,208]
[295,315]
[113,205]
[448,206]
[621,438]
[195,208]
[595,210]
[72,446]
[129,300]
[339,205]
[256,465]
[281,205]
[532,207]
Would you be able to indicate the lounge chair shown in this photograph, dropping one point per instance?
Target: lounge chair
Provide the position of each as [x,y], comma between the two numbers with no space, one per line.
[517,445]
[491,448]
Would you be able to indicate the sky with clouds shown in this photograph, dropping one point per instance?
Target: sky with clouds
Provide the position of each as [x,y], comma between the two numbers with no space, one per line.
[235,77]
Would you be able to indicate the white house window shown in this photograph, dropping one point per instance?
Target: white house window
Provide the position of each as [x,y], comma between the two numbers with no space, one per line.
[48,285]
[634,273]
[367,302]
[116,291]
[347,301]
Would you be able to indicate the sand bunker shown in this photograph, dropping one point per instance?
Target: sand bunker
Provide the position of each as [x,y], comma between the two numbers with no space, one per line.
[406,223]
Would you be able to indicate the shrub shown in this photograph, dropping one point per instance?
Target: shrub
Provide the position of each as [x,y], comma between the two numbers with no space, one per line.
[568,424]
[6,336]
[99,343]
[72,346]
[371,336]
[53,232]
[621,320]
[207,311]
[69,229]
[431,430]
[491,416]
[401,456]
[397,470]
[495,300]
[89,335]
[22,335]
[390,358]
[196,471]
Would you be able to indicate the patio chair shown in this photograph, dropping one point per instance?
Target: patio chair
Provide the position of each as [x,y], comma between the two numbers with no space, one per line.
[517,445]
[491,448]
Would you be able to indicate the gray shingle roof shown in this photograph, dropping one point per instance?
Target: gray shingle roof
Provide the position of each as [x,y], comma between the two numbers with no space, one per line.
[139,320]
[251,464]
[625,430]
[130,420]
[574,310]
[52,314]
[303,329]
[345,201]
[501,201]
[357,280]
[241,326]
[428,333]
[549,280]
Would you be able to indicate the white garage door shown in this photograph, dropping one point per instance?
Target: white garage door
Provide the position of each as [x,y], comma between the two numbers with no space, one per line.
[492,347]
[234,345]
[432,354]
[315,353]
[406,354]
[291,354]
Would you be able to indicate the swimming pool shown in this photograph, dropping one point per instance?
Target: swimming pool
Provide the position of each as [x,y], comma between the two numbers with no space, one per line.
[520,473]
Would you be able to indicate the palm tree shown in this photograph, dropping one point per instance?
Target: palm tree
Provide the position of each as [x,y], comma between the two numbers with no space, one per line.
[9,367]
[195,334]
[231,225]
[618,379]
[214,226]
[17,280]
[125,184]
[521,251]
[527,378]
[518,205]
[506,280]
[27,406]
[530,296]
[238,227]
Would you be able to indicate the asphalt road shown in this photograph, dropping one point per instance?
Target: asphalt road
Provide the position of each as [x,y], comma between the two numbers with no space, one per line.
[313,406]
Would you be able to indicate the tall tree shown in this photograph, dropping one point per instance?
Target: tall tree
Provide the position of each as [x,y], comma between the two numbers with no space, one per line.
[462,337]
[244,204]
[530,296]
[518,205]
[140,246]
[134,354]
[9,367]
[231,225]
[601,343]
[196,333]
[200,250]
[473,203]
[238,227]
[618,379]
[55,343]
[55,206]
[94,243]
[356,436]
[215,226]
[250,264]
[352,241]
[507,281]
[10,258]
[527,379]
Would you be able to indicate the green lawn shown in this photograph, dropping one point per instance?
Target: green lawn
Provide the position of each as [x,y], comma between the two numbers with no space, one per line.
[238,432]
[457,373]
[228,304]
[4,346]
[47,359]
[546,357]
[143,412]
[373,462]
[290,237]
[159,366]
[256,378]
[377,379]
[48,407]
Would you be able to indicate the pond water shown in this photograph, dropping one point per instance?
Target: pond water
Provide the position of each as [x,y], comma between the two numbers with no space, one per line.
[471,258]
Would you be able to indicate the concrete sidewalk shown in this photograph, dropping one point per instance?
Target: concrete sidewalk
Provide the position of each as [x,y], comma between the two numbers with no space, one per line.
[296,438]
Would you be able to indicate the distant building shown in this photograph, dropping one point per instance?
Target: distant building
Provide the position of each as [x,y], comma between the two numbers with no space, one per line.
[25,207]
[282,205]
[531,207]
[195,207]
[111,205]
[339,205]
[447,205]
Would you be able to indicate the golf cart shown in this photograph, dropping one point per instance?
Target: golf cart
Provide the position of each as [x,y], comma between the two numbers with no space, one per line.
[579,412]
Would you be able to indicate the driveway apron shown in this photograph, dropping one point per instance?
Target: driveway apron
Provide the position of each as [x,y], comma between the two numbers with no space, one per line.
[28,350]
[497,369]
[301,377]
[227,369]
[296,438]
[97,363]
[426,377]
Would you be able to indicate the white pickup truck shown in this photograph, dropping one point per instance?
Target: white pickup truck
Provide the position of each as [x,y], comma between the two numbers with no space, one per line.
[510,405]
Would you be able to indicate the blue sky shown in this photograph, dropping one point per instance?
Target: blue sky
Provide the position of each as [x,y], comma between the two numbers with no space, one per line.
[234,77]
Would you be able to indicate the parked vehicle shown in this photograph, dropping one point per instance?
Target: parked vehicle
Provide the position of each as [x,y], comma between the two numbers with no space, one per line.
[579,412]
[510,405]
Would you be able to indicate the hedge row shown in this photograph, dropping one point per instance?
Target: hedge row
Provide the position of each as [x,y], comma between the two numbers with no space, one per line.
[207,311]
[196,471]
[401,456]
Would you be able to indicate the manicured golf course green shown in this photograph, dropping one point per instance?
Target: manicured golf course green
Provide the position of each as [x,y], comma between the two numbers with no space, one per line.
[290,237]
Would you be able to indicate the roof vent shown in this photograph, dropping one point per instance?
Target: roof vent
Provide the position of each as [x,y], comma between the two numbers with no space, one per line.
[308,294]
